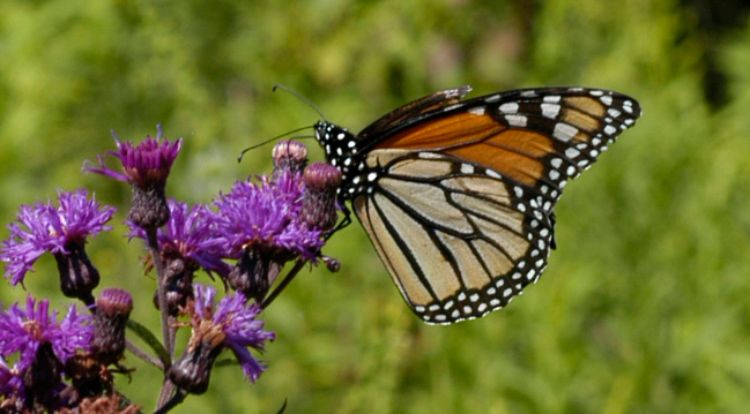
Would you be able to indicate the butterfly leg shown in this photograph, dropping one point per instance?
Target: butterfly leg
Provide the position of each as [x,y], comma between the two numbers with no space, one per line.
[347,220]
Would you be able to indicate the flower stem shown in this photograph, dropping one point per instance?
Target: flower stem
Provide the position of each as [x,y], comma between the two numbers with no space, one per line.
[133,348]
[161,293]
[283,284]
[169,397]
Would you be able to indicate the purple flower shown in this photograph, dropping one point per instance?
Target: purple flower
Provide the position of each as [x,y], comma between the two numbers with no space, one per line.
[238,323]
[266,217]
[188,235]
[44,228]
[146,167]
[11,382]
[142,164]
[262,226]
[231,324]
[24,331]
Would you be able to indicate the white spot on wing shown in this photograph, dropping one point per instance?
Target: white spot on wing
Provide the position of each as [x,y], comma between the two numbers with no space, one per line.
[564,132]
[429,155]
[479,110]
[572,152]
[516,120]
[509,108]
[550,110]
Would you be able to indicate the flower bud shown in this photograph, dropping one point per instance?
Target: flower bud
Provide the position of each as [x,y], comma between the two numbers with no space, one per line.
[289,156]
[149,209]
[41,380]
[112,312]
[178,284]
[319,200]
[192,371]
[78,277]
[332,264]
[89,377]
[255,272]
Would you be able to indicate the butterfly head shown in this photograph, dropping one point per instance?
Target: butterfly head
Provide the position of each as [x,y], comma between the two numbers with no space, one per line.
[343,152]
[339,144]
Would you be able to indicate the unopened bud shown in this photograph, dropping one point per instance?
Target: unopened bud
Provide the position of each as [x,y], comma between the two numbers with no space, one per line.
[255,272]
[78,277]
[178,285]
[192,371]
[289,156]
[319,200]
[149,209]
[112,312]
[332,264]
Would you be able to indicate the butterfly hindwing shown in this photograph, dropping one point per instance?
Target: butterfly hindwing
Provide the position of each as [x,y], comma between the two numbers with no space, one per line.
[454,240]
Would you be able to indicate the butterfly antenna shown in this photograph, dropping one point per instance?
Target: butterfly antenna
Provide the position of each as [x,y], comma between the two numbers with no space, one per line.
[252,147]
[301,98]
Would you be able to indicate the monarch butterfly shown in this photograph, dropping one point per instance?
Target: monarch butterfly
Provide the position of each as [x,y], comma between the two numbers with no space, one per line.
[457,195]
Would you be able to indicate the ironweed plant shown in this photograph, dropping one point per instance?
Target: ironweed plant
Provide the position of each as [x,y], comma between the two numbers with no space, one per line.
[244,238]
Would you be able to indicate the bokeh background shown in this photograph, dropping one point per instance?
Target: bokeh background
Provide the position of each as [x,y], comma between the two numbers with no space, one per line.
[644,306]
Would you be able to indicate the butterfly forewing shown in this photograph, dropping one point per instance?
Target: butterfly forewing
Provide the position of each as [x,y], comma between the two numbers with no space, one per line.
[413,110]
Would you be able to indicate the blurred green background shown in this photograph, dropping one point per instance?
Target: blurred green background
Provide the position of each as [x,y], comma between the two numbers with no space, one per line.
[644,307]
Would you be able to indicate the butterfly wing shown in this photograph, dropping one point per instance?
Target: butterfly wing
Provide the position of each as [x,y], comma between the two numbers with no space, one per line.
[453,238]
[414,109]
[459,199]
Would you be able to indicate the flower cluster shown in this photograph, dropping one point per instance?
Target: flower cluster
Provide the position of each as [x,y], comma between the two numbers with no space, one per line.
[40,346]
[244,237]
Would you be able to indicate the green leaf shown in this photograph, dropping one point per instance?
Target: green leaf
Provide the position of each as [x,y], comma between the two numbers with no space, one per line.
[150,339]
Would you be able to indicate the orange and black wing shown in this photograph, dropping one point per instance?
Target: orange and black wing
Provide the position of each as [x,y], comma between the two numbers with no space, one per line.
[460,199]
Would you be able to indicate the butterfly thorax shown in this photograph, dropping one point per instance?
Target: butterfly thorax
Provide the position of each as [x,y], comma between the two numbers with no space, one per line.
[342,150]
